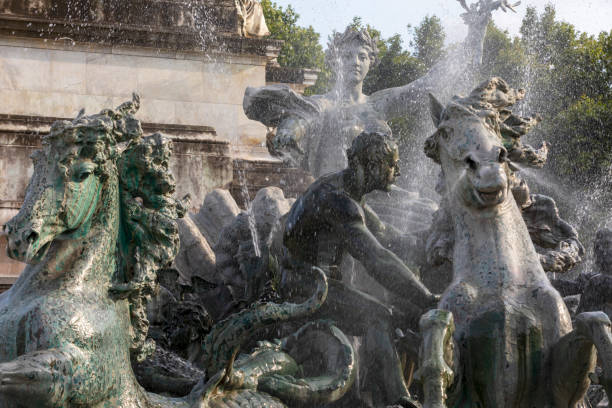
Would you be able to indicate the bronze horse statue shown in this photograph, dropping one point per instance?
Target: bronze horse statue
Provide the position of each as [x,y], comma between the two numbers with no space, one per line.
[502,336]
[98,222]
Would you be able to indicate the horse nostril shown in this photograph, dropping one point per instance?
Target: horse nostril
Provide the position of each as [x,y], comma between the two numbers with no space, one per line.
[503,155]
[472,164]
[31,237]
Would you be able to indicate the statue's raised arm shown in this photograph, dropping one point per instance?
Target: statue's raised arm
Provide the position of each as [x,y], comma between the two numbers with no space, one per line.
[449,74]
[314,131]
[477,17]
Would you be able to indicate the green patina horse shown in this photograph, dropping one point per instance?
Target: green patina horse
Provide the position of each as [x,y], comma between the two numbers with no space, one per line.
[514,345]
[98,222]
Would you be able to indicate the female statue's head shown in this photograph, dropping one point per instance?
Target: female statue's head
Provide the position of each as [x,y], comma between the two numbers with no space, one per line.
[351,54]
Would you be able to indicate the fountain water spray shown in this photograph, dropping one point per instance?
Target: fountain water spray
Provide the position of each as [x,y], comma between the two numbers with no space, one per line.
[244,190]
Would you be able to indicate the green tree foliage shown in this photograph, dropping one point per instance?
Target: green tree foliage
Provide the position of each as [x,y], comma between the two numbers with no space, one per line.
[503,57]
[563,65]
[301,48]
[584,133]
[396,66]
[569,79]
[428,40]
[567,76]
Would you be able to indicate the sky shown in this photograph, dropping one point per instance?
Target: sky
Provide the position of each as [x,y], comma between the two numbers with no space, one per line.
[392,16]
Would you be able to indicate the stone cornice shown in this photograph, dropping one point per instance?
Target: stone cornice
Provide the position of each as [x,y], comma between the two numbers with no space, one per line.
[178,38]
[36,126]
[286,75]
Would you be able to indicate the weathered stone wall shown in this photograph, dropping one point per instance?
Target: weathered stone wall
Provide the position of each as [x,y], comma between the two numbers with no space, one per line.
[57,80]
[185,59]
[200,163]
[216,16]
[253,175]
[297,78]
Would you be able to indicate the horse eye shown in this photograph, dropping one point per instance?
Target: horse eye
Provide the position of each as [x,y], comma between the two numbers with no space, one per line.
[503,155]
[83,176]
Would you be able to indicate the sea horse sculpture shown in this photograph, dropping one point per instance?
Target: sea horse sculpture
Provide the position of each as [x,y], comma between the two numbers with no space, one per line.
[97,223]
[503,336]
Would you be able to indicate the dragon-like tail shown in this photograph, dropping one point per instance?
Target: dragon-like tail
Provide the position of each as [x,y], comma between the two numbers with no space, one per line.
[227,336]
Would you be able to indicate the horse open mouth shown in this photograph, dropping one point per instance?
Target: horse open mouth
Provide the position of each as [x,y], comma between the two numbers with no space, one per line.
[490,197]
[31,254]
[38,255]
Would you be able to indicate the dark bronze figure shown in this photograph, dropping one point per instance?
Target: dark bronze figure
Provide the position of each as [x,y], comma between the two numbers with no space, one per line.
[330,221]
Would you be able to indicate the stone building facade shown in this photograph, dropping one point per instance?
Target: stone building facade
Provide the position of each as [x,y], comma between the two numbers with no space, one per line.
[190,62]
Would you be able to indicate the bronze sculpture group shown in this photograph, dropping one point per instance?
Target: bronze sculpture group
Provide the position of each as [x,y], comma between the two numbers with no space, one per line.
[99,223]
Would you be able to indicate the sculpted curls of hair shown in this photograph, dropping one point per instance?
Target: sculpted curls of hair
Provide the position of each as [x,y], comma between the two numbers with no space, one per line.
[370,146]
[351,35]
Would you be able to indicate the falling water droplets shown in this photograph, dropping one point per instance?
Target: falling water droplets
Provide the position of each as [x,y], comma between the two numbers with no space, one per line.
[244,190]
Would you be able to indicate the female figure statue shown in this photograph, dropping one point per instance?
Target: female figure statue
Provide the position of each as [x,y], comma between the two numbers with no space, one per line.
[314,132]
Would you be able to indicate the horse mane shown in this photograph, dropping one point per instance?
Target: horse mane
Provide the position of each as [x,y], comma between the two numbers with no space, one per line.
[148,238]
[490,102]
[95,137]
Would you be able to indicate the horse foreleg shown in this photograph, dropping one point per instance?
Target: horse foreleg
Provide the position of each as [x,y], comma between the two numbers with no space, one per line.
[38,379]
[574,357]
[436,356]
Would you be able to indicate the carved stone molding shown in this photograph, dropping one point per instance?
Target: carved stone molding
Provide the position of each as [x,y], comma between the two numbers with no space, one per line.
[164,24]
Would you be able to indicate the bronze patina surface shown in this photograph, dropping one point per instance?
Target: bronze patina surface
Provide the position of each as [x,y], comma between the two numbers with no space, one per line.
[97,224]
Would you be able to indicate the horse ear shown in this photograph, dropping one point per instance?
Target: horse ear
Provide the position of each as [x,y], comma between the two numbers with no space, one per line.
[435,109]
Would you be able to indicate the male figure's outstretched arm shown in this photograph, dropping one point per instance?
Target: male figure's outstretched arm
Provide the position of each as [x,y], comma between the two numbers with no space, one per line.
[383,265]
[404,244]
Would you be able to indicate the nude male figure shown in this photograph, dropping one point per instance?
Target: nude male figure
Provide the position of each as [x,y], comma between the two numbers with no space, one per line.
[330,221]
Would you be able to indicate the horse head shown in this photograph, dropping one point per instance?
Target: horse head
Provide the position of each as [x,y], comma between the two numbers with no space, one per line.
[69,173]
[65,189]
[472,142]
